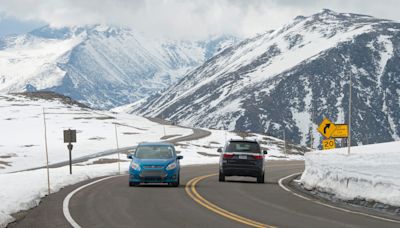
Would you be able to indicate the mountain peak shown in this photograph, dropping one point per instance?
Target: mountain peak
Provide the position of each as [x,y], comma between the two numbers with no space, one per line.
[327,11]
[66,32]
[329,14]
[248,86]
[321,13]
[101,65]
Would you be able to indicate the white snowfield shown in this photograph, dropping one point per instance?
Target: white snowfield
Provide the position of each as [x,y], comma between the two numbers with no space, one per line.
[370,172]
[22,147]
[22,131]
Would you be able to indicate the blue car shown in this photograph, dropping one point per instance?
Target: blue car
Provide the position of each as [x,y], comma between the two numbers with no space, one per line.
[154,163]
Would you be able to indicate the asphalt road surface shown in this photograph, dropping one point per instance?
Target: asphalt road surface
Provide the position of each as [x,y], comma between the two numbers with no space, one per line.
[200,201]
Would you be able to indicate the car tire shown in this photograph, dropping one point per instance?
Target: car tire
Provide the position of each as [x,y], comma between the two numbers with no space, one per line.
[260,178]
[133,184]
[221,177]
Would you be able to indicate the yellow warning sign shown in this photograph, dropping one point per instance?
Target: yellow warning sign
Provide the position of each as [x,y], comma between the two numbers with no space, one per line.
[326,128]
[342,131]
[328,144]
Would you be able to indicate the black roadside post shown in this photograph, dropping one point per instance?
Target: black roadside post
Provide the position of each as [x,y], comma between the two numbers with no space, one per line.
[70,146]
[70,137]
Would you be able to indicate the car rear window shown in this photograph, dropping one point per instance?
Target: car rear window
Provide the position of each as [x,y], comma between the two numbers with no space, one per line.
[247,147]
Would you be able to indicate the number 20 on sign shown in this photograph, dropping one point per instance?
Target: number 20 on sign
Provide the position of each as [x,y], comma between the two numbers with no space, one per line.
[328,144]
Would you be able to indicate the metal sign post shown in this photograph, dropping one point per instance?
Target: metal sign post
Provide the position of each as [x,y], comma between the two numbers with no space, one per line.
[284,140]
[349,140]
[47,153]
[70,137]
[312,132]
[116,140]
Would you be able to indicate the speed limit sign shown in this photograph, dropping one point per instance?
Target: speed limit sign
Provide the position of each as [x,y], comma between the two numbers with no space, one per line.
[328,144]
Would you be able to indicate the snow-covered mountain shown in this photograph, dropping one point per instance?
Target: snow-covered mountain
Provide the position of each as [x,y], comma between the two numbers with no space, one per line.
[290,78]
[99,65]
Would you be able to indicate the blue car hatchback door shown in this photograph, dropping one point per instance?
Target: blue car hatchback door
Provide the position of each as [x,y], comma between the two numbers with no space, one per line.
[154,163]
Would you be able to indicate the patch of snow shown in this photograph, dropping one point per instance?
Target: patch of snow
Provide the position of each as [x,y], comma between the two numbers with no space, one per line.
[369,172]
[303,119]
[95,131]
[232,106]
[385,54]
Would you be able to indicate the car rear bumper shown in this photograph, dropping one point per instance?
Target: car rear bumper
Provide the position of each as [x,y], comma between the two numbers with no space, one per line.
[241,170]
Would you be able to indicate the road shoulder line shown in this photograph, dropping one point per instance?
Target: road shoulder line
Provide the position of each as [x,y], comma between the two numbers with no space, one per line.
[280,182]
[66,211]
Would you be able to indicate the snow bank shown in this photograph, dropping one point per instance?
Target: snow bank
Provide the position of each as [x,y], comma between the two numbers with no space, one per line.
[370,172]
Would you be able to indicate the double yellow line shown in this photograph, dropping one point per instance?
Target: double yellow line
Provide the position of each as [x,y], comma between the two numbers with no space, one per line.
[192,192]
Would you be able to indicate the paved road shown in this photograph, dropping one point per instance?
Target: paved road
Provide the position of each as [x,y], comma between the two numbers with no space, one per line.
[197,134]
[111,203]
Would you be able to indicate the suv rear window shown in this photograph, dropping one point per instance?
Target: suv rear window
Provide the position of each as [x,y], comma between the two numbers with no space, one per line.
[247,147]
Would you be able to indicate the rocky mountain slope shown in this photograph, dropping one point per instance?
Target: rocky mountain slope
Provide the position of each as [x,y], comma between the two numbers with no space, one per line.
[291,78]
[98,65]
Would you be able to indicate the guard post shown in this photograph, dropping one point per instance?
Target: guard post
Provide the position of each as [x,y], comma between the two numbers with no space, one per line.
[70,137]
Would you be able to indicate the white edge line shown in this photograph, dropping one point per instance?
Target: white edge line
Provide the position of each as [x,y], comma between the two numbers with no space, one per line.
[66,212]
[330,206]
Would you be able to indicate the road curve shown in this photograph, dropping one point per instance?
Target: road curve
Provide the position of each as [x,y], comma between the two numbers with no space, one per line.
[197,134]
[111,203]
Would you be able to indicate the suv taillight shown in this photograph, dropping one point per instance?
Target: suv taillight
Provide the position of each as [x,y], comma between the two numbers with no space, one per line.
[258,157]
[228,156]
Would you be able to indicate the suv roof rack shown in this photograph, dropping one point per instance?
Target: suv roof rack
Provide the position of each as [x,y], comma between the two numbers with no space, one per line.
[243,140]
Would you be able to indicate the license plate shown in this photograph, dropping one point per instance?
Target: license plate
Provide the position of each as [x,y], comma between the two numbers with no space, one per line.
[242,156]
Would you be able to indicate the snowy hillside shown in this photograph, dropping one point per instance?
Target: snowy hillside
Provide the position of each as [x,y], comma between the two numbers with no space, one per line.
[369,173]
[22,144]
[275,81]
[99,65]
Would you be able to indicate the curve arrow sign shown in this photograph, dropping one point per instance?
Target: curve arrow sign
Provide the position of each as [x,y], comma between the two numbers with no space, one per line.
[326,127]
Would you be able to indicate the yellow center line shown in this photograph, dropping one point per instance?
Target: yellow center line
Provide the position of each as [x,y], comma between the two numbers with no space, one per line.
[192,192]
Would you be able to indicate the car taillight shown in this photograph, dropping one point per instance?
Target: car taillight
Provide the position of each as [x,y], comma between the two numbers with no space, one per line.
[228,156]
[257,157]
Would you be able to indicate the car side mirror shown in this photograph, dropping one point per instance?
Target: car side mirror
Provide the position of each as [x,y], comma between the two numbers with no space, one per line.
[219,150]
[129,156]
[265,152]
[179,157]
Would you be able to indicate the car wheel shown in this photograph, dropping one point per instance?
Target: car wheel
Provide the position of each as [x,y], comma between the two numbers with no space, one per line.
[221,177]
[260,178]
[133,184]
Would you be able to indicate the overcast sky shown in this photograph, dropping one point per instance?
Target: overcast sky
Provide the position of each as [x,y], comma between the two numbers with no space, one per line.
[180,19]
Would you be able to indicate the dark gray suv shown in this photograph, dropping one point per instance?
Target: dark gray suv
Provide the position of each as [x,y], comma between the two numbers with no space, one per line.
[242,158]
